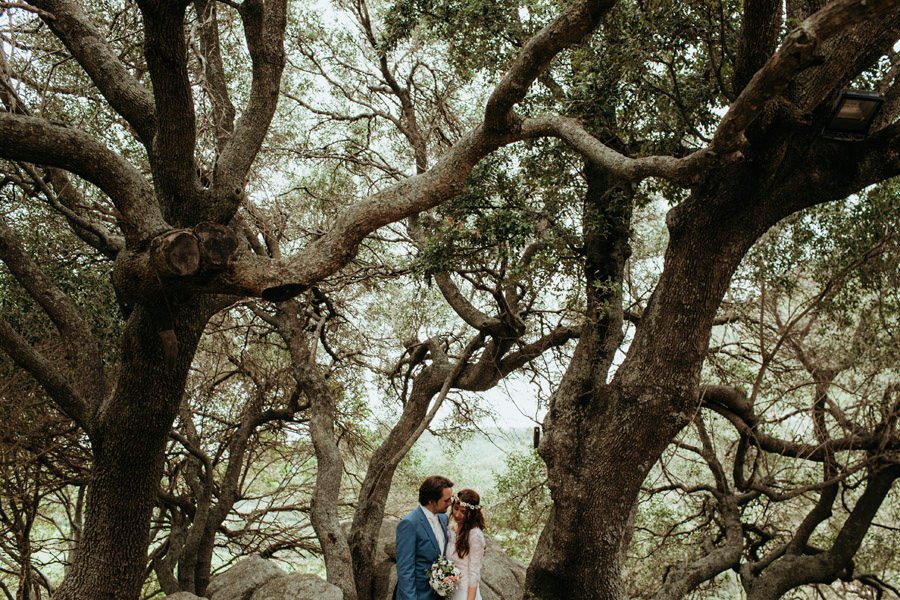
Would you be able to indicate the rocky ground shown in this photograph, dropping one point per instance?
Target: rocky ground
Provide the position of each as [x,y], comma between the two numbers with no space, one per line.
[255,578]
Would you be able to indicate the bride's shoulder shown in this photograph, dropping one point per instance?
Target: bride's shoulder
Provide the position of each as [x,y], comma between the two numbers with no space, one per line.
[477,532]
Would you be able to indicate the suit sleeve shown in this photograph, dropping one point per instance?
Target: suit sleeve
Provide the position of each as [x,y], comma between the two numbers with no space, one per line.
[406,560]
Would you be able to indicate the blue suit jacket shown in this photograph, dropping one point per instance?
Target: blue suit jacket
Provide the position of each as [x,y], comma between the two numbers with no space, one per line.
[417,549]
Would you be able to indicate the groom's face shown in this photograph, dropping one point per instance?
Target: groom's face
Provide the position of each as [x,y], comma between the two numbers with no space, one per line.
[444,501]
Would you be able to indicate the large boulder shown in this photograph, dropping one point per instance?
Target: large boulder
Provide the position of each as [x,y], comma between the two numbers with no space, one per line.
[243,579]
[502,578]
[298,586]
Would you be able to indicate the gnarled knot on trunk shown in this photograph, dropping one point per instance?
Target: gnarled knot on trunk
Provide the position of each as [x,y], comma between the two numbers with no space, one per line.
[159,275]
[207,247]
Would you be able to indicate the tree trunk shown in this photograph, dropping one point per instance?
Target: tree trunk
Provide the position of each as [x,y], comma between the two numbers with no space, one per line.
[579,551]
[128,449]
[376,486]
[602,439]
[324,514]
[329,472]
[26,576]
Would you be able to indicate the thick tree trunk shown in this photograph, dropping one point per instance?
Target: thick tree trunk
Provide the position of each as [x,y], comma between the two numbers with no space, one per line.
[579,550]
[128,447]
[602,439]
[591,490]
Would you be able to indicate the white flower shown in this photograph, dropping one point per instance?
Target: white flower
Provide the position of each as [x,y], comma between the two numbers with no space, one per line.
[443,576]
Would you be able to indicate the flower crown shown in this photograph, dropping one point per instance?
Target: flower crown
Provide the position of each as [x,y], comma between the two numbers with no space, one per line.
[461,502]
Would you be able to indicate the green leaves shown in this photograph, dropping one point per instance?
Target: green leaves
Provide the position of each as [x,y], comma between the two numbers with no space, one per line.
[492,220]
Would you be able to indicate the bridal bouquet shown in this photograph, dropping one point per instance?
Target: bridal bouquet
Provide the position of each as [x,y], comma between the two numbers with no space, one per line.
[443,576]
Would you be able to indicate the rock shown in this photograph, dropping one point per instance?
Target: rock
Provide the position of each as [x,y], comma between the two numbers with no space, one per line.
[502,578]
[239,582]
[183,596]
[298,586]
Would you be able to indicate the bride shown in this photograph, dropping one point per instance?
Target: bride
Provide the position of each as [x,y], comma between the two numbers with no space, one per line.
[465,546]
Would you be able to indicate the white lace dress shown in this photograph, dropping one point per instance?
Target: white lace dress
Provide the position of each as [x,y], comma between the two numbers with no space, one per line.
[470,566]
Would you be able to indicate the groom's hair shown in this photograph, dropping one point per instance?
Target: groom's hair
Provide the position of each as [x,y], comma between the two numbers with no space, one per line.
[433,488]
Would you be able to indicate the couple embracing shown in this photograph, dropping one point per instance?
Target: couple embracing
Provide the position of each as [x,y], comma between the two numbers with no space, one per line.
[424,536]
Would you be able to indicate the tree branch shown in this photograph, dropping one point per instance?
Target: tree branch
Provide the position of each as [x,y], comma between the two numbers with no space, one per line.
[83,351]
[679,170]
[687,576]
[799,51]
[760,26]
[214,71]
[88,46]
[68,201]
[578,20]
[733,405]
[264,26]
[39,141]
[172,153]
[46,374]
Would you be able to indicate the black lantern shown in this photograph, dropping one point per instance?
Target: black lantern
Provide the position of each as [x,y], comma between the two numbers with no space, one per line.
[536,436]
[852,115]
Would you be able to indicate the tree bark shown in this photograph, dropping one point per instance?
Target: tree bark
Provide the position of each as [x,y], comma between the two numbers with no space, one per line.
[610,435]
[130,437]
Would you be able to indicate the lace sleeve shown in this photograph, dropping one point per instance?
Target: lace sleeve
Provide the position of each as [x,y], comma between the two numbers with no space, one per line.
[476,555]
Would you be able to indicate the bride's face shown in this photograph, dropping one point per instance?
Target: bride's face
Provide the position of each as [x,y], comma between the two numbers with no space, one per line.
[457,511]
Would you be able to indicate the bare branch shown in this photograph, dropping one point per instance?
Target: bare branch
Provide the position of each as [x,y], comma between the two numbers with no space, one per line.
[83,349]
[45,373]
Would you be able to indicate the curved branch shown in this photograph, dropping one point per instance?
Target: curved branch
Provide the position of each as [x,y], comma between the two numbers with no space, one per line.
[461,305]
[41,142]
[88,46]
[793,570]
[46,374]
[734,406]
[685,170]
[56,186]
[264,26]
[578,20]
[62,195]
[558,337]
[82,348]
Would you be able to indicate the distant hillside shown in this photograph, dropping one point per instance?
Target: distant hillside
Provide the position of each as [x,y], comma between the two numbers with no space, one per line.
[478,460]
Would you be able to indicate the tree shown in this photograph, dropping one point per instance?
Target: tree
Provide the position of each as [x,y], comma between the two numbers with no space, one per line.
[811,455]
[242,406]
[180,258]
[177,182]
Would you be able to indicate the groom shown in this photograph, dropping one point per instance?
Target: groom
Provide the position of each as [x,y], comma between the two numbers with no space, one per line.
[421,538]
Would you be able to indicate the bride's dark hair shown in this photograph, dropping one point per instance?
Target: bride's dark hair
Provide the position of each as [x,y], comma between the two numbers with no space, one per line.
[470,503]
